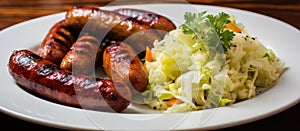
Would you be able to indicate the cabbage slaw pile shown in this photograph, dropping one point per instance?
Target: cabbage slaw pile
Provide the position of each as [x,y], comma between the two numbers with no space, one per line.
[202,64]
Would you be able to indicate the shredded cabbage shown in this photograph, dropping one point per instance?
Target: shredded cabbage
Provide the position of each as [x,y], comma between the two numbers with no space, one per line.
[183,69]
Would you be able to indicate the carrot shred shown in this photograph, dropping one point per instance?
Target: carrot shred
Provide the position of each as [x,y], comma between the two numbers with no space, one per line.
[232,27]
[173,101]
[148,56]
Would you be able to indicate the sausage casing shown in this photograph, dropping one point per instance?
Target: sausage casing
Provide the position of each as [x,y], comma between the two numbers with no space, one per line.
[83,55]
[156,21]
[121,63]
[57,42]
[43,78]
[111,25]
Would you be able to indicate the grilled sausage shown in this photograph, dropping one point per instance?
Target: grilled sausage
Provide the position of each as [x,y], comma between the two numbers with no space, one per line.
[121,63]
[156,21]
[83,55]
[111,25]
[42,77]
[57,42]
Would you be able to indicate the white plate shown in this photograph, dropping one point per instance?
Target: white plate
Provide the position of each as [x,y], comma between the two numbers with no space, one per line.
[281,37]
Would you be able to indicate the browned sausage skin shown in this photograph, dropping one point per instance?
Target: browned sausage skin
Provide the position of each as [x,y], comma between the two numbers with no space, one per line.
[42,77]
[121,63]
[57,42]
[156,21]
[83,56]
[111,25]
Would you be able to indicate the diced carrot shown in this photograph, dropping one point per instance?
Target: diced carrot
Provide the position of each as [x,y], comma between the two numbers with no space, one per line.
[148,56]
[232,27]
[173,101]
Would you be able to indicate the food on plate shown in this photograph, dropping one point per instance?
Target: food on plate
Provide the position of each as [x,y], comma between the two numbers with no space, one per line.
[121,63]
[156,21]
[57,42]
[40,76]
[83,55]
[209,61]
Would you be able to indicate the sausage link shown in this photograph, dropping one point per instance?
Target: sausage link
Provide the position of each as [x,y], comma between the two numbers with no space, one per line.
[83,55]
[43,78]
[111,25]
[121,63]
[156,21]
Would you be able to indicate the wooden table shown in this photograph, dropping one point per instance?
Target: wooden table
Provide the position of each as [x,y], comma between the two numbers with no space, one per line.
[16,11]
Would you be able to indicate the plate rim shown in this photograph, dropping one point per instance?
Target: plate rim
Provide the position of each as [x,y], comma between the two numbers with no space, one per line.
[64,126]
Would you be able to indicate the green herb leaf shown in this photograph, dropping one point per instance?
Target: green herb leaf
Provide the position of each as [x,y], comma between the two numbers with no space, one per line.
[207,26]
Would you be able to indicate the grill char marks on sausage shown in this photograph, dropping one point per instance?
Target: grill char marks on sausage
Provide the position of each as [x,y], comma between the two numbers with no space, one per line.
[121,63]
[113,26]
[57,42]
[83,56]
[156,21]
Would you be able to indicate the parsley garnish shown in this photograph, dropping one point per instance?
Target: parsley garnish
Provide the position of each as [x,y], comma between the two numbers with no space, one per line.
[209,29]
